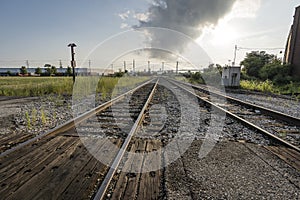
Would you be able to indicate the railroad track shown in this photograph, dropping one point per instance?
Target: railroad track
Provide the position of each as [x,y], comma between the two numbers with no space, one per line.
[129,134]
[265,121]
[58,165]
[64,163]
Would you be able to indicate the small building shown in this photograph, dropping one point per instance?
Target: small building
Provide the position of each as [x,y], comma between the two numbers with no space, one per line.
[231,76]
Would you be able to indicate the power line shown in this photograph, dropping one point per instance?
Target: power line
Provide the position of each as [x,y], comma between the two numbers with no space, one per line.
[262,48]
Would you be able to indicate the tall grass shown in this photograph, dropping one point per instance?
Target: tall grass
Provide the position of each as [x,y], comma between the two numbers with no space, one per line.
[39,86]
[268,86]
[265,86]
[35,86]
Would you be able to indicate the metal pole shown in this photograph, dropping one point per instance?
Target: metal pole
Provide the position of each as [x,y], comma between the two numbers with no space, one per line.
[73,63]
[27,64]
[90,67]
[235,49]
[133,66]
[177,63]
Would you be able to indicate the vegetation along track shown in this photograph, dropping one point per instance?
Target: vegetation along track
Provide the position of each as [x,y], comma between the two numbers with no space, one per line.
[281,129]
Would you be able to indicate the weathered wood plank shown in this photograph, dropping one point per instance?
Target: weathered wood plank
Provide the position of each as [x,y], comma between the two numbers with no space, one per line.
[150,182]
[46,180]
[127,184]
[39,163]
[85,182]
[8,169]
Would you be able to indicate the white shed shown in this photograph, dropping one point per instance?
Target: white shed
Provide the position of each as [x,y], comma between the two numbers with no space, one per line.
[231,76]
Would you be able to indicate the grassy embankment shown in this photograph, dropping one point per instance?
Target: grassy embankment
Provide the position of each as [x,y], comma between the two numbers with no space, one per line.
[41,86]
[293,88]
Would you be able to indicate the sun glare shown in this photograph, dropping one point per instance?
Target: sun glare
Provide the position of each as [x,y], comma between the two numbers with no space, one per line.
[223,34]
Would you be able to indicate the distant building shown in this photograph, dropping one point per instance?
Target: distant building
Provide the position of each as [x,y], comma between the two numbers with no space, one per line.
[231,76]
[100,71]
[31,71]
[292,50]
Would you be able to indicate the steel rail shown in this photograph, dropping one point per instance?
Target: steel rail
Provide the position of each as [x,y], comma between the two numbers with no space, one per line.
[278,115]
[105,183]
[245,122]
[71,123]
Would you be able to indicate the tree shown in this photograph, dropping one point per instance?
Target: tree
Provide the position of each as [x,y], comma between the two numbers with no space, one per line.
[69,71]
[38,71]
[47,66]
[255,60]
[23,70]
[276,72]
[51,70]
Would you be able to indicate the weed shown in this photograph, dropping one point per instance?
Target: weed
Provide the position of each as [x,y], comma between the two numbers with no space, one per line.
[54,116]
[43,117]
[34,116]
[27,120]
[103,94]
[283,134]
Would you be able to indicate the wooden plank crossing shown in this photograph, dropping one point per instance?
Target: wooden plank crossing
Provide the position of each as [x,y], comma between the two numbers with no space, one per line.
[139,185]
[150,182]
[61,168]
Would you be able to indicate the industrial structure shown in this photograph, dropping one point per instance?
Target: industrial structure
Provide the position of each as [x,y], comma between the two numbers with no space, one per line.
[292,51]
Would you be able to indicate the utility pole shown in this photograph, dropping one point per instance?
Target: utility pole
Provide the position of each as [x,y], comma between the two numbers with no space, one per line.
[177,63]
[60,64]
[235,49]
[27,64]
[90,67]
[124,66]
[73,63]
[133,66]
[149,70]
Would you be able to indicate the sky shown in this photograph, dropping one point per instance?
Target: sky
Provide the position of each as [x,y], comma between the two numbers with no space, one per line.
[39,31]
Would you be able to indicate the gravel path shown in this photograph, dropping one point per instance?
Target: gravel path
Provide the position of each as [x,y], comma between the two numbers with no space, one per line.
[231,171]
[33,115]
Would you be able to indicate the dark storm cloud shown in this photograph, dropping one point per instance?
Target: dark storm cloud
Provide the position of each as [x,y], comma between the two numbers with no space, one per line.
[186,16]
